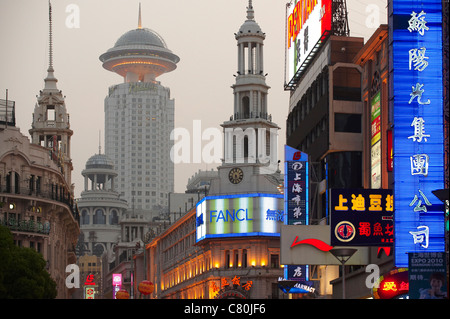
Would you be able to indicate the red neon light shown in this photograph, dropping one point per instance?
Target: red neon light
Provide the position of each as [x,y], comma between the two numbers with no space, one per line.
[313,242]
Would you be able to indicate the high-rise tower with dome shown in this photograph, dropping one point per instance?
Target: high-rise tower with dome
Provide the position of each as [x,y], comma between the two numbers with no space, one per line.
[139,116]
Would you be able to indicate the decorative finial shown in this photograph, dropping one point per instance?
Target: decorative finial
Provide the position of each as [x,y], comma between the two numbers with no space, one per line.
[139,19]
[250,12]
[99,143]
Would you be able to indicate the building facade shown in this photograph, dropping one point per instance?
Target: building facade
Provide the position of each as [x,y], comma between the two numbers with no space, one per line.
[100,207]
[139,117]
[204,256]
[36,193]
[339,115]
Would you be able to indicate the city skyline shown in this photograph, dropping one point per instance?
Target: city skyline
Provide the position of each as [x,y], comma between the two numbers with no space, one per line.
[201,33]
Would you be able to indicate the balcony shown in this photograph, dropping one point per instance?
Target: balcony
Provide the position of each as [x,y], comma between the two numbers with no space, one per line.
[55,193]
[251,115]
[29,226]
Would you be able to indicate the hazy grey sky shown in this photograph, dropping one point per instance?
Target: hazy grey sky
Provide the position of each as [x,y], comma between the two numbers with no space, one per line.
[200,32]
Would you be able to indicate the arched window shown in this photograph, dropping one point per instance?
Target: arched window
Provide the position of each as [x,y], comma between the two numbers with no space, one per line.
[113,217]
[245,146]
[99,217]
[85,219]
[245,107]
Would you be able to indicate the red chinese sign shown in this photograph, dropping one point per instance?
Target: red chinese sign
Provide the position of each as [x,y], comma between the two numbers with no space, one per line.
[392,285]
[231,282]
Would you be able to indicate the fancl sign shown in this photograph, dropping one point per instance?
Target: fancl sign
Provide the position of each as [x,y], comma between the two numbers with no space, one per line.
[416,68]
[239,215]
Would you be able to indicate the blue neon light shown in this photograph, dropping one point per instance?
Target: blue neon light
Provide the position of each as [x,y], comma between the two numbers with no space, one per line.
[233,196]
[416,68]
[239,215]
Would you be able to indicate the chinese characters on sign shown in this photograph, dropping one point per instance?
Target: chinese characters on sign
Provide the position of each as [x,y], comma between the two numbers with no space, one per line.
[296,198]
[296,186]
[231,283]
[362,217]
[393,285]
[416,67]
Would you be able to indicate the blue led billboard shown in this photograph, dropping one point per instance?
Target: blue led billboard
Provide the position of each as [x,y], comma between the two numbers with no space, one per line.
[417,97]
[239,215]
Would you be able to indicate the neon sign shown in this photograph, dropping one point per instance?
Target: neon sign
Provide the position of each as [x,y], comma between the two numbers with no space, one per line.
[393,285]
[117,283]
[418,147]
[296,204]
[362,217]
[239,215]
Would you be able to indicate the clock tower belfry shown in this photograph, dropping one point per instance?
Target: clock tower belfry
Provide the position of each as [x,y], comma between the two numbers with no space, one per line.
[250,162]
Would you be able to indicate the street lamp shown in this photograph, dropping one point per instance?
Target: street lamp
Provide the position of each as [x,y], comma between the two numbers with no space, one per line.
[343,255]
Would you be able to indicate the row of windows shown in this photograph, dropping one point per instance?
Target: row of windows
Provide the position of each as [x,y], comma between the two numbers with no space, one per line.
[318,90]
[99,217]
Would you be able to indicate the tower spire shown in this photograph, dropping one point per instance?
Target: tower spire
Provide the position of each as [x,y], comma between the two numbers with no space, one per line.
[50,52]
[250,11]
[50,80]
[139,18]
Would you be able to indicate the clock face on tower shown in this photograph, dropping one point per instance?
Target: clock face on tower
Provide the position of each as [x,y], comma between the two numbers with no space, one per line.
[236,175]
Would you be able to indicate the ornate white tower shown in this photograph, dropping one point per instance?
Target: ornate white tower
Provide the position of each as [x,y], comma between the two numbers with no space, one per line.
[100,205]
[250,153]
[51,127]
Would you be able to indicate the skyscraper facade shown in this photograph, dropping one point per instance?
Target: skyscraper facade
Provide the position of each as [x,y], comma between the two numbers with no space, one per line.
[139,117]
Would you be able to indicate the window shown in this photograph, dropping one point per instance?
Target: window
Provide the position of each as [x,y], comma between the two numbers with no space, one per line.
[84,217]
[51,113]
[227,259]
[99,217]
[274,261]
[113,217]
[345,122]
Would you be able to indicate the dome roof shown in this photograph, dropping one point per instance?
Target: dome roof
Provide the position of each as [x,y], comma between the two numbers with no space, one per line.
[99,161]
[142,36]
[250,27]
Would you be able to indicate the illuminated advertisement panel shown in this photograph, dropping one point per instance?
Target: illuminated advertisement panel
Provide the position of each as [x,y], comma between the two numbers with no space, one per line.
[239,215]
[296,206]
[307,21]
[116,283]
[416,68]
[296,186]
[362,217]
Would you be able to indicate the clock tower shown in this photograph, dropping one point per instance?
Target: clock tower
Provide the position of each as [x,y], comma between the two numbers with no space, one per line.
[250,163]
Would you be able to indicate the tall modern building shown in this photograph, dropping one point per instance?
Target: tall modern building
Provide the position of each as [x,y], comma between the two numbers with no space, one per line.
[139,117]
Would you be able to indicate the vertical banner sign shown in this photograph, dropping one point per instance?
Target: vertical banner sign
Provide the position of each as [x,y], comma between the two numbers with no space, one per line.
[89,293]
[117,283]
[418,141]
[427,276]
[296,186]
[296,204]
[375,158]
